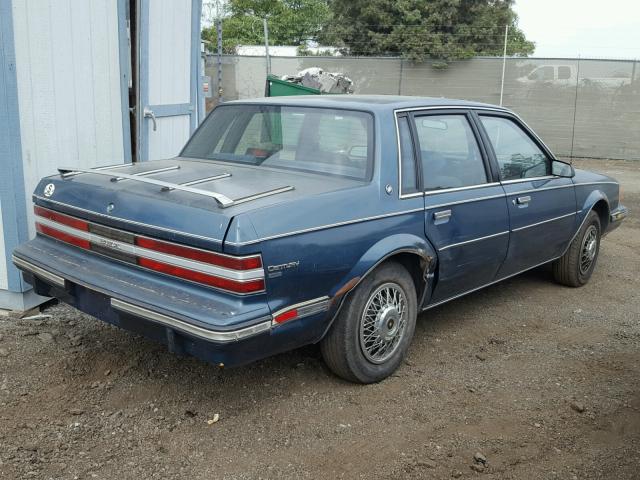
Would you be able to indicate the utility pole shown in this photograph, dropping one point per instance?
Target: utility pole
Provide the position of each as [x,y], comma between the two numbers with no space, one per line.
[266,45]
[504,60]
[219,57]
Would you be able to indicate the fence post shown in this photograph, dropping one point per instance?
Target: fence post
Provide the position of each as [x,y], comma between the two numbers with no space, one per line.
[575,107]
[504,60]
[400,79]
[266,45]
[219,57]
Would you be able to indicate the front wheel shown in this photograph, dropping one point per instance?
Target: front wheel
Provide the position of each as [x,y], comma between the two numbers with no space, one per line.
[575,267]
[371,335]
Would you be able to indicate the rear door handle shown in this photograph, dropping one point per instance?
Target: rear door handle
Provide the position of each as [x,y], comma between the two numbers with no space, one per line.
[522,200]
[442,215]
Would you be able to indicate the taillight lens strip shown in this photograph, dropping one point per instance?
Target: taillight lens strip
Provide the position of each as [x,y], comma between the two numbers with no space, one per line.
[63,236]
[250,262]
[240,275]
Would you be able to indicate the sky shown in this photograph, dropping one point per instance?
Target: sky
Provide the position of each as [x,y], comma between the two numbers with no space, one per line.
[588,28]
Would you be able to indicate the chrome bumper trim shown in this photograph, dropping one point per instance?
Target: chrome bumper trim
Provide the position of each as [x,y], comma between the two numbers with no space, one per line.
[38,272]
[196,331]
[619,214]
[310,307]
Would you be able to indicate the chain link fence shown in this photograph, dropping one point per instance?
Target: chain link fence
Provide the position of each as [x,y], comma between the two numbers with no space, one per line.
[581,108]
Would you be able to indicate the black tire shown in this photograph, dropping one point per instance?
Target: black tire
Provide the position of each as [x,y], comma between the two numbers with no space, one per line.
[352,355]
[570,269]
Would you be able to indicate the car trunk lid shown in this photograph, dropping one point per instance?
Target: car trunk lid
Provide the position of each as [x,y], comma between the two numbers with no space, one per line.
[185,201]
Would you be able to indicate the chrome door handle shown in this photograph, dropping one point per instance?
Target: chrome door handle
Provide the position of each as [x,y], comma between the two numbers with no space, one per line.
[441,215]
[148,113]
[522,200]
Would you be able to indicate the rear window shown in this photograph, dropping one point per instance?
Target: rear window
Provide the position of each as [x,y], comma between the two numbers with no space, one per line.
[319,140]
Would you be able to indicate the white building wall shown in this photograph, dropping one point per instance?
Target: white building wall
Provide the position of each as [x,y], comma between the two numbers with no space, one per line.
[4,283]
[69,93]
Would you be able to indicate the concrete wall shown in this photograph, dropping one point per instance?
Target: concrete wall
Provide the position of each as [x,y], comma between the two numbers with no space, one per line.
[593,113]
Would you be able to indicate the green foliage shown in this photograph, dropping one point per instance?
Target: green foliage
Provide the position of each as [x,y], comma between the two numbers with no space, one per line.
[291,22]
[442,30]
[438,30]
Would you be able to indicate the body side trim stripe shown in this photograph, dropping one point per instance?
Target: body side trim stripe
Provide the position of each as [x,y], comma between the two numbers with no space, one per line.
[479,239]
[364,219]
[544,221]
[513,274]
[331,225]
[469,200]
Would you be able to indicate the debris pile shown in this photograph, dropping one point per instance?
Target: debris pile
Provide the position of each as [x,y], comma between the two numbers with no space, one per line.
[326,82]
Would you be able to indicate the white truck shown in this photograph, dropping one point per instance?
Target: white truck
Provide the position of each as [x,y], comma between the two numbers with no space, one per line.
[566,75]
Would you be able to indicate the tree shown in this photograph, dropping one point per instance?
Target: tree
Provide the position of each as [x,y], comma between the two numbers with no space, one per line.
[291,22]
[443,30]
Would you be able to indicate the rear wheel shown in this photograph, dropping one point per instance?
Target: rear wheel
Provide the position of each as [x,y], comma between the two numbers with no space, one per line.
[371,335]
[575,267]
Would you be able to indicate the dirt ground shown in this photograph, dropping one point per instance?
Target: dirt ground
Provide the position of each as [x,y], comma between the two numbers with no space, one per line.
[543,381]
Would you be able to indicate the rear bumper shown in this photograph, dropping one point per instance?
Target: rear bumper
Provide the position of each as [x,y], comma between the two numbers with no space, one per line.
[188,320]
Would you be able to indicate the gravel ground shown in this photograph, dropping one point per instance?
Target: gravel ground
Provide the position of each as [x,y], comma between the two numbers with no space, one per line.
[525,379]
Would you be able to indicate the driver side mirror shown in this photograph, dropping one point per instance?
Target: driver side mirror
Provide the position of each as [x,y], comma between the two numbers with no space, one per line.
[562,169]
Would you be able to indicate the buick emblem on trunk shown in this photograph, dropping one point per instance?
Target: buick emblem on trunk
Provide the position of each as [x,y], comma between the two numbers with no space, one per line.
[49,189]
[110,207]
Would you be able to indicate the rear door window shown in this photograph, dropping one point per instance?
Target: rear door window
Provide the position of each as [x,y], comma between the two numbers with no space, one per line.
[449,152]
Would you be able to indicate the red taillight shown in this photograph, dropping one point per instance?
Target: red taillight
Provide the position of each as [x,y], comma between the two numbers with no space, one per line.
[286,316]
[241,275]
[62,236]
[61,218]
[234,263]
[250,286]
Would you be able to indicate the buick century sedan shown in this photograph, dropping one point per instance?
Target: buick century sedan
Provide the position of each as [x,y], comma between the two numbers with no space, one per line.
[327,219]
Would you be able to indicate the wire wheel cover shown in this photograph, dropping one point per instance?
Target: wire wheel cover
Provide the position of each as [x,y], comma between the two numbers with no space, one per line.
[383,323]
[589,248]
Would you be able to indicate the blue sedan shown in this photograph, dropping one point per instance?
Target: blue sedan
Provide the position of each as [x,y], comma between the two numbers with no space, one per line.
[325,219]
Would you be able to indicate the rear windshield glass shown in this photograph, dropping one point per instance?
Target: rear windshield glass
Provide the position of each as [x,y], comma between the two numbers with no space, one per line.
[320,140]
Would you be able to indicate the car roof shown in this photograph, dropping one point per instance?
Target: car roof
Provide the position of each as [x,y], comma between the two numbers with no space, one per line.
[365,102]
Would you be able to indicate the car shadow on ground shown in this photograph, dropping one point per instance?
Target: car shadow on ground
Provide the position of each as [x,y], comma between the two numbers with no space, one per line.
[143,357]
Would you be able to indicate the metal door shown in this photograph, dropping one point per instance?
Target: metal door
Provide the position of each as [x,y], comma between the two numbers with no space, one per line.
[468,224]
[168,76]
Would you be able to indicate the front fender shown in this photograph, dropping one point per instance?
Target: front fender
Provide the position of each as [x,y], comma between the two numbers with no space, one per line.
[590,200]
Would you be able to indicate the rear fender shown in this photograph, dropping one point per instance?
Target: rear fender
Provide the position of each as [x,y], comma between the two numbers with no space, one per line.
[381,251]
